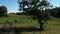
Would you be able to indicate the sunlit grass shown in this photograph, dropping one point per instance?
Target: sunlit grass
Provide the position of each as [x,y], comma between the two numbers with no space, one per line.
[52,26]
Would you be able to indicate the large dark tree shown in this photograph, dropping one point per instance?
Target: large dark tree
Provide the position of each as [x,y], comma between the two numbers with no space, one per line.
[36,9]
[3,11]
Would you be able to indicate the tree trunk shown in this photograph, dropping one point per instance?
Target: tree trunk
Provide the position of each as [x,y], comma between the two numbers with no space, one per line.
[41,25]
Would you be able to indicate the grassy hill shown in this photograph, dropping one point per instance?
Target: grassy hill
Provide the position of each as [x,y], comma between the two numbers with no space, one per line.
[26,19]
[54,20]
[51,27]
[12,18]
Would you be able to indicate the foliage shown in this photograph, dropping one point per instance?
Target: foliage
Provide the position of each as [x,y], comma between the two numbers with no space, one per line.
[3,11]
[36,9]
[55,12]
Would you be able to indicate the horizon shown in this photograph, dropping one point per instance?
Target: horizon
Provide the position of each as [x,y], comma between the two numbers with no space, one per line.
[12,5]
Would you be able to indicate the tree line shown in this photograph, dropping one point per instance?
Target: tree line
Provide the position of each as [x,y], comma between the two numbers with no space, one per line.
[55,12]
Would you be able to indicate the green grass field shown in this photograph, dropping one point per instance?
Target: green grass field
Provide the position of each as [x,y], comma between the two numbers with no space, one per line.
[52,26]
[26,19]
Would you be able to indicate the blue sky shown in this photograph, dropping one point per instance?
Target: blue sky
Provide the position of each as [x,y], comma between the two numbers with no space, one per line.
[13,6]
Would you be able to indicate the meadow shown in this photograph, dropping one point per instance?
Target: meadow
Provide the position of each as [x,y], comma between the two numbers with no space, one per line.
[51,27]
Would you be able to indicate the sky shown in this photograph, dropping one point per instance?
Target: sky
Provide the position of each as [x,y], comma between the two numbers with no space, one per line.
[12,5]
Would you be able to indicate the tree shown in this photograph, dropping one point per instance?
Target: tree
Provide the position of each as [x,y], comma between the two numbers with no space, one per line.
[3,11]
[55,12]
[36,9]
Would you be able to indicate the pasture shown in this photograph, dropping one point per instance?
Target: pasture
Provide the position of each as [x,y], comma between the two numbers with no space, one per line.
[25,21]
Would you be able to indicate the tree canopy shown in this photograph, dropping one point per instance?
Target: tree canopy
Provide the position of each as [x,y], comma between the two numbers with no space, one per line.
[3,11]
[37,8]
[55,12]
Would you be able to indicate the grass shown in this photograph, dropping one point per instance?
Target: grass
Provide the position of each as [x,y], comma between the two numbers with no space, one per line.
[52,27]
[26,19]
[54,20]
[13,18]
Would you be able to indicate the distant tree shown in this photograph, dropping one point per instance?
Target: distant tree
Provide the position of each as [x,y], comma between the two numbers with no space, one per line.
[3,11]
[18,13]
[55,12]
[36,9]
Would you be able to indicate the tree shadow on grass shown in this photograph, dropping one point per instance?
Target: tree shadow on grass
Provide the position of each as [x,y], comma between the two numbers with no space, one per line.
[18,30]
